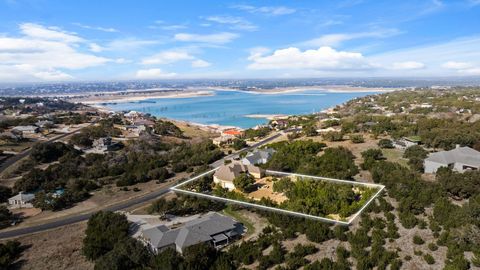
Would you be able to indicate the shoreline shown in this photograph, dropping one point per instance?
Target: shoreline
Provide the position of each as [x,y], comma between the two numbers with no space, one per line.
[117,98]
[132,95]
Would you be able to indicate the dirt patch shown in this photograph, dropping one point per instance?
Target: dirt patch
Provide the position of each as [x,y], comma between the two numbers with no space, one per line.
[265,189]
[55,249]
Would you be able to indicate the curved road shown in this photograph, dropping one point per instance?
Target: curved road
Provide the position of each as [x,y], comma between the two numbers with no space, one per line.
[120,206]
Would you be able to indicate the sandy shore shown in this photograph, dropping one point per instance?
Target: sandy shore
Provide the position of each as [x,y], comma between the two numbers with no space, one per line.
[266,116]
[324,88]
[124,97]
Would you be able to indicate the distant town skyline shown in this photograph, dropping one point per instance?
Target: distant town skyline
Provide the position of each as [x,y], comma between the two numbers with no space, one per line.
[50,41]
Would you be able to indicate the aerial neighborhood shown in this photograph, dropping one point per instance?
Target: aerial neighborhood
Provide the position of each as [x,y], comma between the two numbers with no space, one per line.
[398,167]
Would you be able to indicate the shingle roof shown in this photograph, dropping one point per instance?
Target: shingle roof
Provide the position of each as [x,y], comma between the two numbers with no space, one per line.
[234,169]
[191,233]
[465,155]
[258,155]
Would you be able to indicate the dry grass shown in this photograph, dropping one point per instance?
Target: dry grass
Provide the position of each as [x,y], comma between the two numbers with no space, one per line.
[55,249]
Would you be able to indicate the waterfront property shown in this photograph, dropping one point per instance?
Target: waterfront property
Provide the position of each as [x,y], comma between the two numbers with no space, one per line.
[459,159]
[212,228]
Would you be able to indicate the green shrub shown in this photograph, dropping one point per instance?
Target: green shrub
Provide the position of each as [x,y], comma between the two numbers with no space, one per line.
[429,259]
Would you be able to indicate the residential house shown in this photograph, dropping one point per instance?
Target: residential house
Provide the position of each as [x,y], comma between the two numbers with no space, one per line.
[279,124]
[26,129]
[11,135]
[233,132]
[258,156]
[329,129]
[459,159]
[105,144]
[212,228]
[225,175]
[21,200]
[44,123]
[224,139]
[406,142]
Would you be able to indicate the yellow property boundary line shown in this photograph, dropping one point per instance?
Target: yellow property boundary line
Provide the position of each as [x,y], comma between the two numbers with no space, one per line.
[177,188]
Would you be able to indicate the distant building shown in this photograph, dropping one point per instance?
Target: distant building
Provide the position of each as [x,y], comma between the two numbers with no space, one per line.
[11,135]
[279,124]
[212,228]
[21,200]
[225,175]
[406,142]
[258,156]
[224,139]
[105,144]
[26,129]
[44,123]
[459,159]
[232,131]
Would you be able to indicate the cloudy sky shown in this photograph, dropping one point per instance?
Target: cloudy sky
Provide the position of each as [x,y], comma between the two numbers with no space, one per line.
[63,40]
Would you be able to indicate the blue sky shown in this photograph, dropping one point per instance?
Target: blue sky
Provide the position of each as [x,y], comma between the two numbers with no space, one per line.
[66,40]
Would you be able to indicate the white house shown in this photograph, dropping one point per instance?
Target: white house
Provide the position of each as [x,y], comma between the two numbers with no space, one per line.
[405,142]
[459,159]
[21,200]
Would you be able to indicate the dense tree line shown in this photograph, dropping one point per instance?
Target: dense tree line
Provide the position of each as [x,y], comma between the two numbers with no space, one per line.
[302,157]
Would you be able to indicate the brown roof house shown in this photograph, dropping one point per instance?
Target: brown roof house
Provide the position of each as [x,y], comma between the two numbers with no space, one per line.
[226,173]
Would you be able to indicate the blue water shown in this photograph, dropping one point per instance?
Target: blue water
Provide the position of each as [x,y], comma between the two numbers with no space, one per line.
[230,107]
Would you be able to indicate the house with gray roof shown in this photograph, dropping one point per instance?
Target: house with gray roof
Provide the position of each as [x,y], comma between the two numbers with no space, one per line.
[21,200]
[258,156]
[459,159]
[212,228]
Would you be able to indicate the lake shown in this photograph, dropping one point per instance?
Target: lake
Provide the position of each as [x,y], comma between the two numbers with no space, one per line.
[229,108]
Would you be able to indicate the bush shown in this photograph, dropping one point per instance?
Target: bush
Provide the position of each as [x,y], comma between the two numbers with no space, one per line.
[357,138]
[104,231]
[385,143]
[417,240]
[429,258]
[432,247]
[9,253]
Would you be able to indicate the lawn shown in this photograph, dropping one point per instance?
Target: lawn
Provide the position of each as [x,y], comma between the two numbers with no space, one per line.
[229,211]
[395,155]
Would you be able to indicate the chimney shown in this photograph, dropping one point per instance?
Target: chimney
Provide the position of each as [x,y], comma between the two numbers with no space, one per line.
[457,146]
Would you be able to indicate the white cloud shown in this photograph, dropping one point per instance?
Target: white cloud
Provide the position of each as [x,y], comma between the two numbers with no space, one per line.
[234,22]
[37,31]
[41,53]
[337,38]
[129,44]
[449,58]
[159,24]
[407,65]
[94,47]
[98,28]
[167,57]
[218,38]
[470,71]
[462,67]
[324,58]
[456,65]
[199,63]
[153,73]
[267,10]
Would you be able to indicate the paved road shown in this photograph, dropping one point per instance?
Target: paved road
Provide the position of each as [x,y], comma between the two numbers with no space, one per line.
[120,206]
[11,160]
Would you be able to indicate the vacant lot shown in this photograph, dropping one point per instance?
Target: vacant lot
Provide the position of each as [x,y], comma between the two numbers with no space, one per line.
[55,249]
